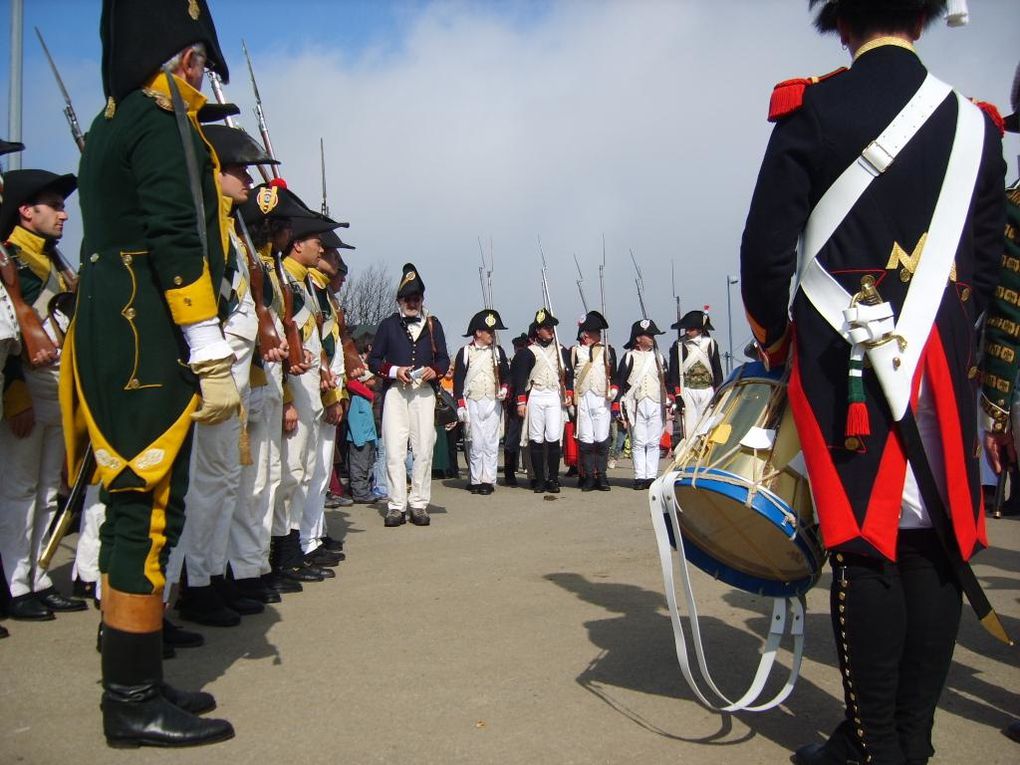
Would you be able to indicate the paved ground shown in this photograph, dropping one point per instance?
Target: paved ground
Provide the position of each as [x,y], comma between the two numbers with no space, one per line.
[513,630]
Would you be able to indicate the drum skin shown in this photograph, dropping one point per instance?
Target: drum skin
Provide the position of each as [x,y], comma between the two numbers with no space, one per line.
[742,496]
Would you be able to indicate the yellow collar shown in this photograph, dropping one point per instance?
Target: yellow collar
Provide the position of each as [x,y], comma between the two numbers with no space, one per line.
[295,269]
[30,251]
[878,42]
[158,88]
[266,254]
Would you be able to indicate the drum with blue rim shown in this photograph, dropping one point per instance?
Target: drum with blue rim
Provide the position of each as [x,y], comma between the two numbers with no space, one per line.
[742,497]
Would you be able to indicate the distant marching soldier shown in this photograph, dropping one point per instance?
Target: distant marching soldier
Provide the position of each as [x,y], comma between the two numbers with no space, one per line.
[31,442]
[512,434]
[544,385]
[217,512]
[146,356]
[643,398]
[694,368]
[480,384]
[409,352]
[595,390]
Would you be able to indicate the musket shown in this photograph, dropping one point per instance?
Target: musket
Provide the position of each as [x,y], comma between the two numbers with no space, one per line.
[260,115]
[268,339]
[72,118]
[295,347]
[605,332]
[580,282]
[679,349]
[639,282]
[485,277]
[547,300]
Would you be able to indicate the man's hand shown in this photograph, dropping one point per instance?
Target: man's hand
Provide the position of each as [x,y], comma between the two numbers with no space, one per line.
[356,373]
[22,423]
[522,409]
[1000,450]
[327,380]
[277,354]
[462,414]
[428,374]
[289,418]
[404,375]
[220,399]
[300,369]
[332,414]
[44,357]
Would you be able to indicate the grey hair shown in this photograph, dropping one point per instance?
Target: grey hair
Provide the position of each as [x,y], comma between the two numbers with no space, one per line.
[173,63]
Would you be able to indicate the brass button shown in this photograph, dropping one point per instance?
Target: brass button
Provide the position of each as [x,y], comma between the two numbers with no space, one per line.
[129,313]
[839,557]
[178,281]
[94,257]
[965,294]
[126,259]
[852,443]
[187,301]
[905,275]
[133,384]
[972,372]
[842,595]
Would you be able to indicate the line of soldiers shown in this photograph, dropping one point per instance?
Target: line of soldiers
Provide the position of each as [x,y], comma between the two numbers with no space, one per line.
[545,383]
[198,359]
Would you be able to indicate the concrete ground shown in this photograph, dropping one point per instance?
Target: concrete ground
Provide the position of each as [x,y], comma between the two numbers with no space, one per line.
[516,629]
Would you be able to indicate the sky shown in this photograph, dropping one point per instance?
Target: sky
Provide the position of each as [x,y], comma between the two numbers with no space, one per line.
[513,120]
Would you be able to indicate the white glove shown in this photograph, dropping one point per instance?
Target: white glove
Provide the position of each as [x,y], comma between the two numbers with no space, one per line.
[462,414]
[502,394]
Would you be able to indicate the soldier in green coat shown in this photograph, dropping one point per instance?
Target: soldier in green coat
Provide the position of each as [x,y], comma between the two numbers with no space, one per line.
[145,356]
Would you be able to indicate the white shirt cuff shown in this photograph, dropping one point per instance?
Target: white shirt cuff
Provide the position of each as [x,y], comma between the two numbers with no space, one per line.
[206,342]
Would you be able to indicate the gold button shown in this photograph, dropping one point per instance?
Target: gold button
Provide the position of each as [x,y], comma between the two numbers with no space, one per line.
[187,301]
[839,557]
[129,313]
[972,372]
[860,732]
[126,259]
[178,281]
[133,384]
[965,294]
[842,608]
[905,276]
[852,443]
[94,257]
[842,596]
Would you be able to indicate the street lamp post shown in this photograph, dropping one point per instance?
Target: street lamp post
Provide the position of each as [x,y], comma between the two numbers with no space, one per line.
[730,281]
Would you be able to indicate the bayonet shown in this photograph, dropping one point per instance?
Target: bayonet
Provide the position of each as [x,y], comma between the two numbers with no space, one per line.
[639,282]
[260,115]
[72,118]
[580,284]
[322,164]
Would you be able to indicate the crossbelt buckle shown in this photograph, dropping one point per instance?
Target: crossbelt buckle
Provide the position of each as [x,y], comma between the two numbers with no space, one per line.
[875,159]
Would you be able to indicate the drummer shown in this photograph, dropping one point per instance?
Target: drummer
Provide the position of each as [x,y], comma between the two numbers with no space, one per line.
[896,586]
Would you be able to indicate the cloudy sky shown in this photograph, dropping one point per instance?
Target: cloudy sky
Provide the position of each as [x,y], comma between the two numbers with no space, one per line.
[643,120]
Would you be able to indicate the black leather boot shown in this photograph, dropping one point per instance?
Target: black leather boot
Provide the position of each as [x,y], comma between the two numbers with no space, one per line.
[203,605]
[509,468]
[552,464]
[537,449]
[602,465]
[588,466]
[254,588]
[138,707]
[233,598]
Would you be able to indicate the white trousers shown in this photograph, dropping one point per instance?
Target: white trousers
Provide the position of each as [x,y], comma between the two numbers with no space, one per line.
[28,488]
[265,433]
[483,422]
[409,418]
[86,557]
[299,448]
[594,413]
[248,543]
[545,416]
[313,521]
[645,433]
[214,481]
[696,401]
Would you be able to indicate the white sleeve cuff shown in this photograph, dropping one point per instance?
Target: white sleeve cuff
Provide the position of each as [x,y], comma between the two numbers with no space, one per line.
[393,372]
[206,342]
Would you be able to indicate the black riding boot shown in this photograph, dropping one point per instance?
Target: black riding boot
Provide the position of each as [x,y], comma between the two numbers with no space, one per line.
[602,465]
[552,462]
[589,466]
[509,467]
[537,449]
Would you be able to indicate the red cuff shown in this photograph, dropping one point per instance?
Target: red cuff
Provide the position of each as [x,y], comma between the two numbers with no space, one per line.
[461,403]
[522,400]
[384,370]
[615,407]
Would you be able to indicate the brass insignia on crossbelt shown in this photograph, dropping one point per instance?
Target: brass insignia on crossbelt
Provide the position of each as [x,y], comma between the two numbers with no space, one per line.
[490,320]
[268,198]
[193,10]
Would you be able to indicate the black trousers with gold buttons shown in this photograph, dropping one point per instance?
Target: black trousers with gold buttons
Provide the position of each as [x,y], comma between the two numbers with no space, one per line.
[895,626]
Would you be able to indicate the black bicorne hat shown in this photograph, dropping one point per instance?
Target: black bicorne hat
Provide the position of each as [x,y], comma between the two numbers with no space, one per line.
[521,339]
[272,200]
[488,320]
[532,330]
[235,147]
[139,36]
[302,227]
[22,186]
[213,112]
[332,241]
[831,10]
[544,318]
[694,320]
[9,147]
[1012,121]
[410,282]
[642,327]
[594,322]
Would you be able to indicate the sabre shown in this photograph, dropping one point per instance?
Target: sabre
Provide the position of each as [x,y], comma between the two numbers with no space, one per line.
[63,523]
[72,118]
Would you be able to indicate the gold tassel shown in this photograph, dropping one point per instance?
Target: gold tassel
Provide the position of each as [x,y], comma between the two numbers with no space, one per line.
[244,443]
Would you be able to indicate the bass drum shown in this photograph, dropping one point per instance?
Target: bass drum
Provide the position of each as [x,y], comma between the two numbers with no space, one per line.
[742,497]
